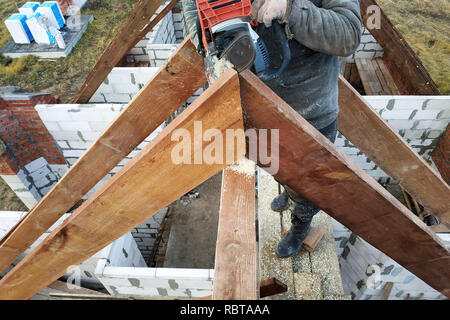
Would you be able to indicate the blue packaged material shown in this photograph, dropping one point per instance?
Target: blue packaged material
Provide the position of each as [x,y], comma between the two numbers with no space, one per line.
[29,8]
[52,11]
[39,30]
[18,28]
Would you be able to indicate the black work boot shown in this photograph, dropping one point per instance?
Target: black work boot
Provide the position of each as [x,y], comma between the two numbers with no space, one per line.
[293,240]
[281,202]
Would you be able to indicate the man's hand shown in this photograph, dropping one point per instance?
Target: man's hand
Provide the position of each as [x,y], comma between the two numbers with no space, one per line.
[267,10]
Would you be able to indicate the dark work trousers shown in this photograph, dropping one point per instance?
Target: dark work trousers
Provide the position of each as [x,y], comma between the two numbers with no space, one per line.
[305,210]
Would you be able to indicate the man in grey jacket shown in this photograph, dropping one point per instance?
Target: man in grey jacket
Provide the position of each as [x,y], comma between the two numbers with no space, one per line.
[318,31]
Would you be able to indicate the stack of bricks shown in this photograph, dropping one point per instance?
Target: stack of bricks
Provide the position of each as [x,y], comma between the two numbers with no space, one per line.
[441,155]
[23,134]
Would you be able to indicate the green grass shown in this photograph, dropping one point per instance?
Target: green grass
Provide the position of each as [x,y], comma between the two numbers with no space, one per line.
[8,199]
[425,25]
[63,77]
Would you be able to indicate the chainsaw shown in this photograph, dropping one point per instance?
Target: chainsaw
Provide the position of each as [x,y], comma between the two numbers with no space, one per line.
[228,36]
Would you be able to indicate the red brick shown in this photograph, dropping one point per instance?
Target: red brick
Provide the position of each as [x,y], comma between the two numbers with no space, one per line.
[25,134]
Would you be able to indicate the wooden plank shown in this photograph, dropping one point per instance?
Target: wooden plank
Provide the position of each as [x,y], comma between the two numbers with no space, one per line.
[235,271]
[146,184]
[271,287]
[183,74]
[405,67]
[374,81]
[313,238]
[387,76]
[372,77]
[364,127]
[321,173]
[126,38]
[363,74]
[385,90]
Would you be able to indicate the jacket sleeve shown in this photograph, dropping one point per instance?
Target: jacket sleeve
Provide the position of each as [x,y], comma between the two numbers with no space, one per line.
[334,29]
[190,17]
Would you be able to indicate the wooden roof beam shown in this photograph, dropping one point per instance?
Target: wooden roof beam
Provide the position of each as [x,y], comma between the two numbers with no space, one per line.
[409,74]
[146,184]
[235,272]
[182,75]
[314,167]
[365,128]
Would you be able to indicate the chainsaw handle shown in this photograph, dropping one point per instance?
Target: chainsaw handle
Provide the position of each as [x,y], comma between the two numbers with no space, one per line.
[282,38]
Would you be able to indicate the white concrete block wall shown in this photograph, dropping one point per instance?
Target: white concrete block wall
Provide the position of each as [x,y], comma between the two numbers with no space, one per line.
[75,128]
[179,26]
[368,48]
[156,282]
[33,180]
[125,252]
[341,236]
[38,177]
[121,269]
[159,53]
[163,32]
[122,84]
[365,271]
[145,233]
[420,120]
[85,271]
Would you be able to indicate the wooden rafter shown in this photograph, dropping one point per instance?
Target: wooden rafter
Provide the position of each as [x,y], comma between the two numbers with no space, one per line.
[409,74]
[235,272]
[126,38]
[312,166]
[322,174]
[182,74]
[145,185]
[364,127]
